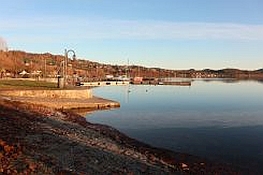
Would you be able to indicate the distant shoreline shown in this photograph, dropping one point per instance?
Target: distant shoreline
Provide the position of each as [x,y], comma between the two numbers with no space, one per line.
[98,71]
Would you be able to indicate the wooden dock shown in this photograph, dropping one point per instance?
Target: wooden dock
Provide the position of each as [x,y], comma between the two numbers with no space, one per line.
[104,83]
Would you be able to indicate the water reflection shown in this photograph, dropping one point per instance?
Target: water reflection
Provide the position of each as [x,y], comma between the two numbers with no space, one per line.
[214,119]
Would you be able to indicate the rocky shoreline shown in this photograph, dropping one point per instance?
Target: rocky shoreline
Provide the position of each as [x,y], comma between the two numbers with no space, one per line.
[40,140]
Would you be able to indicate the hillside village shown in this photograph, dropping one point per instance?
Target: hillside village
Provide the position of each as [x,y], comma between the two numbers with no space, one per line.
[46,65]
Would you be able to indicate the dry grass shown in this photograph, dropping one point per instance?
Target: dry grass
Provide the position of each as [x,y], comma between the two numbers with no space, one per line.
[25,84]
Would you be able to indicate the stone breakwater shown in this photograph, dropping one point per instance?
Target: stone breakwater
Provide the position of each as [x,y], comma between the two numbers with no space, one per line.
[61,99]
[74,94]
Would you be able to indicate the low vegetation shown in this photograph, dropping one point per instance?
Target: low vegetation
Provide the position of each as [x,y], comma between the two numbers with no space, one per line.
[25,84]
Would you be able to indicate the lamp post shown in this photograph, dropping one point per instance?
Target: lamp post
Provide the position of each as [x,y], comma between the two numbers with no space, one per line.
[63,69]
[66,64]
[61,79]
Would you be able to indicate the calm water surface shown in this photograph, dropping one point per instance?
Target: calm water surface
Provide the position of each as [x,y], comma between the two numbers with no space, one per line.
[217,120]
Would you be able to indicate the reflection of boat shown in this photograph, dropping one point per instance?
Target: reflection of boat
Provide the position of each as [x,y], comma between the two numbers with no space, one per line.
[176,81]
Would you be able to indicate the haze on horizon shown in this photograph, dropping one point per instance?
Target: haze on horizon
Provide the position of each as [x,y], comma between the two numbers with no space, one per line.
[170,34]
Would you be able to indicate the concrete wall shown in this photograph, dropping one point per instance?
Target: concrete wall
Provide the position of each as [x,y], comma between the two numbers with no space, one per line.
[77,94]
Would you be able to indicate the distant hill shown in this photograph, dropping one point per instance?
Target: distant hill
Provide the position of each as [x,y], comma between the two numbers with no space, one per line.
[15,62]
[260,70]
[48,64]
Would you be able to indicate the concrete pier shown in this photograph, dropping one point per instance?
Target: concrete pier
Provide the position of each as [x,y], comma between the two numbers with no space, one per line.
[76,94]
[61,99]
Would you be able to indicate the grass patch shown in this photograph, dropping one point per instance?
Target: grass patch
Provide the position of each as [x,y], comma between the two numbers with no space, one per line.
[26,84]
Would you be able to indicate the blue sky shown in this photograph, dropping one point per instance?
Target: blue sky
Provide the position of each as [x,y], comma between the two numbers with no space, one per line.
[173,34]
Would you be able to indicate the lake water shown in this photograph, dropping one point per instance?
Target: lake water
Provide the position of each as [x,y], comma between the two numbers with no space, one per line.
[218,120]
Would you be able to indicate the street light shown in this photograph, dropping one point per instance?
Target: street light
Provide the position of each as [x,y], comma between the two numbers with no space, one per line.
[63,68]
[66,64]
